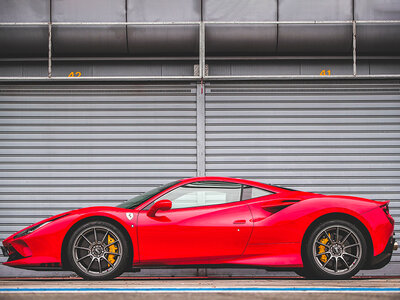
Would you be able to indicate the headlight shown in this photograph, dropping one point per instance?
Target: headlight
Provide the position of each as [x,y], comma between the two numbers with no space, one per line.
[36,227]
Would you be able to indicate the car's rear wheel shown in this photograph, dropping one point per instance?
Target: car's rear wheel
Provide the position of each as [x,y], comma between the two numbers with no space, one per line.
[98,250]
[334,250]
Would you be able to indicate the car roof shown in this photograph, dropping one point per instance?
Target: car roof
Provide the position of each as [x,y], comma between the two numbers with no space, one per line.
[234,180]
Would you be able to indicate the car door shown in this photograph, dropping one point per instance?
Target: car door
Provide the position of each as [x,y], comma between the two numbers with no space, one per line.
[207,223]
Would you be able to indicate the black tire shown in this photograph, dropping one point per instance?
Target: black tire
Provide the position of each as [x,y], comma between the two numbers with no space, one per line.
[334,250]
[91,254]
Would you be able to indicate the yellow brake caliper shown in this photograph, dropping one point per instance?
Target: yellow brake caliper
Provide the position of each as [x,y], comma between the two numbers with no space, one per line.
[112,249]
[321,248]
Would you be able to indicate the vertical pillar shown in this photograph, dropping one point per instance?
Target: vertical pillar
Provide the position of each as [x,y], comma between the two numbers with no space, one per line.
[49,53]
[201,129]
[354,49]
[202,50]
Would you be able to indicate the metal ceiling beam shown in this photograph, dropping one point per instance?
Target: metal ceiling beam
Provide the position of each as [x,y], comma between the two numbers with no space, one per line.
[202,51]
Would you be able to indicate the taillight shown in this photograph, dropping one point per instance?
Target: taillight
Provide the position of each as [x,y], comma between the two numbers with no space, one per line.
[385,208]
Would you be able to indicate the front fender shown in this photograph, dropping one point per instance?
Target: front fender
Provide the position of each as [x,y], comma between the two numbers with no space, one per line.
[45,244]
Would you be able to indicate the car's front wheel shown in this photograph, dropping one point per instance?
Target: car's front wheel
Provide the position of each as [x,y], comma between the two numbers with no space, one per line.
[334,250]
[98,250]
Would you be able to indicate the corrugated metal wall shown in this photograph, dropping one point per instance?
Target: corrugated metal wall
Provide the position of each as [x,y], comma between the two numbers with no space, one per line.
[70,146]
[65,147]
[332,138]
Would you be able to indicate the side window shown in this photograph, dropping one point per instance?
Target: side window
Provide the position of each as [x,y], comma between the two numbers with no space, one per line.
[204,193]
[250,192]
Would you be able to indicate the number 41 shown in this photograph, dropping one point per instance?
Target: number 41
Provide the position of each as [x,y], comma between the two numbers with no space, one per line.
[327,72]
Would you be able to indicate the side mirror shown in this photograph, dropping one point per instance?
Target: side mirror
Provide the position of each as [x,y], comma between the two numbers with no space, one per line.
[159,205]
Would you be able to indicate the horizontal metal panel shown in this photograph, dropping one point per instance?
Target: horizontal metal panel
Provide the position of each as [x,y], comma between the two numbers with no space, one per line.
[293,142]
[278,115]
[377,38]
[56,173]
[100,143]
[380,183]
[12,215]
[133,167]
[92,41]
[235,39]
[103,97]
[312,159]
[92,123]
[127,188]
[61,136]
[394,203]
[306,151]
[337,182]
[281,128]
[33,207]
[162,40]
[327,95]
[111,91]
[256,165]
[27,40]
[78,182]
[15,129]
[189,158]
[73,200]
[99,40]
[83,145]
[315,38]
[284,90]
[99,106]
[309,173]
[316,133]
[304,105]
[97,159]
[4,229]
[98,113]
[27,152]
[299,118]
[66,189]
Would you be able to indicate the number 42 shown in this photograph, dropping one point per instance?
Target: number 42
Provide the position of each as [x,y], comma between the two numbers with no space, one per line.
[76,74]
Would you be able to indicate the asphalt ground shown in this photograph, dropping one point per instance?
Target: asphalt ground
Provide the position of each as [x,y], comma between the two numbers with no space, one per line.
[196,288]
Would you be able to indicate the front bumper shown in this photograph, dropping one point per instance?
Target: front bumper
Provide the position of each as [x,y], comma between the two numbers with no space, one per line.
[20,256]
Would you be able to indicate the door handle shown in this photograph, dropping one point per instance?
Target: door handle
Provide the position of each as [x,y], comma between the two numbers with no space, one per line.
[239,222]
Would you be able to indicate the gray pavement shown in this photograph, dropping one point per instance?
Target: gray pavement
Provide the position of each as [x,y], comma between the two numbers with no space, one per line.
[194,288]
[198,296]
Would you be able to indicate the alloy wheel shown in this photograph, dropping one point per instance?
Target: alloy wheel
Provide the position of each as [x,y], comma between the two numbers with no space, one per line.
[337,250]
[97,250]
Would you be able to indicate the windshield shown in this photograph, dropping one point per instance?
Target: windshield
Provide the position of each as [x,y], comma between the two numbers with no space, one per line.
[136,201]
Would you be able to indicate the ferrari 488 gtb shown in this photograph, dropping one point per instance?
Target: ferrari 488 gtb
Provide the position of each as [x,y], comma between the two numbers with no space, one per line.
[212,222]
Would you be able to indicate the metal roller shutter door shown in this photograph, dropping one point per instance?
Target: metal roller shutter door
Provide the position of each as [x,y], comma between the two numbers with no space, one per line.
[330,137]
[65,147]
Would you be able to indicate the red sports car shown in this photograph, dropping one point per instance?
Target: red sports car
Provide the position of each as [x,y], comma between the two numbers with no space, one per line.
[212,222]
